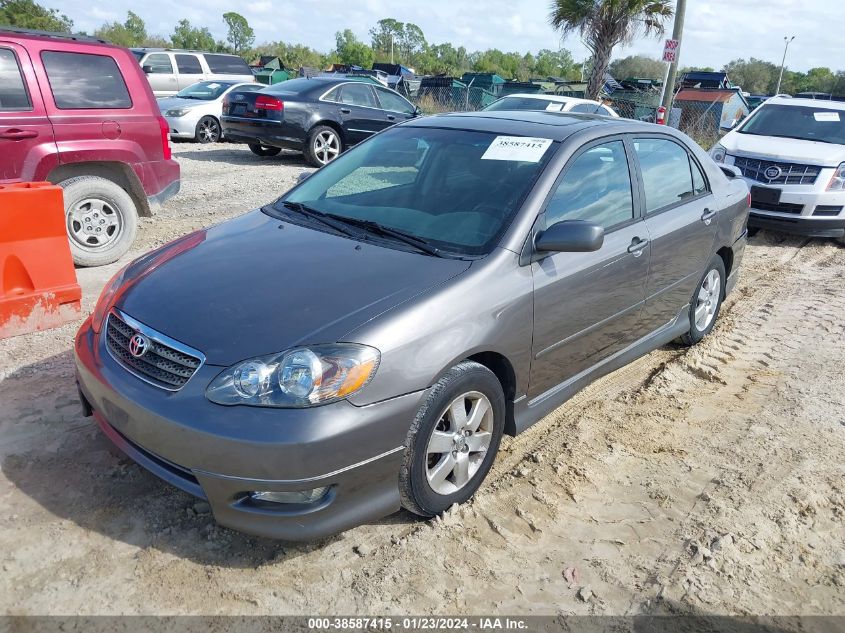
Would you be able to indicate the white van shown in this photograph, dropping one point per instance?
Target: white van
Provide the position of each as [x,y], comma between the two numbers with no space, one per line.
[171,70]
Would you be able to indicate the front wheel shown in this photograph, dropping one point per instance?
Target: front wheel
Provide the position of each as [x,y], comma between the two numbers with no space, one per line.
[101,219]
[453,440]
[706,302]
[264,150]
[323,145]
[208,130]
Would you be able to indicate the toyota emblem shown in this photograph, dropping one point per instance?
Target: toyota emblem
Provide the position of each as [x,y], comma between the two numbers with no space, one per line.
[772,172]
[139,345]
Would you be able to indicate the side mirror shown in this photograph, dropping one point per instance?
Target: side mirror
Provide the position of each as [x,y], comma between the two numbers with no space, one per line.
[417,111]
[730,171]
[303,175]
[147,69]
[570,236]
[727,126]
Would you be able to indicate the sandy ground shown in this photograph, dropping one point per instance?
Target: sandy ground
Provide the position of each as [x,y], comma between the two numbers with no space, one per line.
[707,480]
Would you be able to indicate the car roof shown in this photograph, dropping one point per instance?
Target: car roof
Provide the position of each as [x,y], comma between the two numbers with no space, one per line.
[807,103]
[545,97]
[555,125]
[71,38]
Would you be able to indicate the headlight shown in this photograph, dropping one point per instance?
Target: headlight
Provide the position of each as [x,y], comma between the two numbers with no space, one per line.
[106,298]
[177,112]
[301,377]
[837,183]
[718,153]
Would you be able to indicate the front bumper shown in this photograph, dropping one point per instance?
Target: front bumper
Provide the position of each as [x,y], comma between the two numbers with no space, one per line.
[182,126]
[223,453]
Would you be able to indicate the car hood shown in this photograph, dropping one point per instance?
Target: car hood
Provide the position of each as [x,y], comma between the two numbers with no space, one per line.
[784,149]
[256,285]
[169,103]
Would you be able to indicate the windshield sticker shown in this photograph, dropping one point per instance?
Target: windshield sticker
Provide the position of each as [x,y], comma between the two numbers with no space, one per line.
[213,86]
[554,107]
[517,148]
[826,116]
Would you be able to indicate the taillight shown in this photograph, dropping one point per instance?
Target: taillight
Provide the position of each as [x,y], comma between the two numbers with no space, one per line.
[165,137]
[226,104]
[263,102]
[749,199]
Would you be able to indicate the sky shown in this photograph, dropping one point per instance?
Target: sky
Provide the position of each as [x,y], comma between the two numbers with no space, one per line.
[716,31]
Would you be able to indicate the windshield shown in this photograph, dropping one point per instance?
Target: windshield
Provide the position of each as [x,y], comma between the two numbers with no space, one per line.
[801,122]
[457,190]
[525,103]
[205,90]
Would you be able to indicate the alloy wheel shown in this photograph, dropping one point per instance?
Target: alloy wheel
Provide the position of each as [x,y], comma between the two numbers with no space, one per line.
[94,223]
[459,442]
[209,131]
[326,146]
[707,300]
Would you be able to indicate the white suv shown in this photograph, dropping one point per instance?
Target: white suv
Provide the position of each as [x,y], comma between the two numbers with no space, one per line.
[792,153]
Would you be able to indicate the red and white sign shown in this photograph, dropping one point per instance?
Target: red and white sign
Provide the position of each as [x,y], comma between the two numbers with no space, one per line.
[670,51]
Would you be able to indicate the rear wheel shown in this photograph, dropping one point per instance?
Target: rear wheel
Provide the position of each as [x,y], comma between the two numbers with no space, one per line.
[264,150]
[208,130]
[323,146]
[706,302]
[101,220]
[453,440]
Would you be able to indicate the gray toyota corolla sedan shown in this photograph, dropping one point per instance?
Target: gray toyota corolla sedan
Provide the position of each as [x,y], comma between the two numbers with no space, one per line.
[362,343]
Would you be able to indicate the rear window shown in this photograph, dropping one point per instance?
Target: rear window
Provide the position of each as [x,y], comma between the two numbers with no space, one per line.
[13,94]
[227,65]
[81,81]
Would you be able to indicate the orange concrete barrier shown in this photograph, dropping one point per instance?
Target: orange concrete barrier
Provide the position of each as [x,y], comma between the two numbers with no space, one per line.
[38,287]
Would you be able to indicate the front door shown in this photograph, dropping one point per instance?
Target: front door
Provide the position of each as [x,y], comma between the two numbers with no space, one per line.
[395,108]
[588,305]
[360,114]
[681,218]
[161,74]
[26,133]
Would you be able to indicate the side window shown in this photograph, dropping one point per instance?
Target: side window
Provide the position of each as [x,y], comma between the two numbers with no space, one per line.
[667,178]
[586,108]
[596,187]
[393,102]
[159,64]
[358,94]
[188,65]
[227,65]
[13,94]
[333,95]
[81,81]
[605,111]
[699,185]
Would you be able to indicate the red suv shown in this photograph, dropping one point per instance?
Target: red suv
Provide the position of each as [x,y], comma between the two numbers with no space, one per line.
[79,112]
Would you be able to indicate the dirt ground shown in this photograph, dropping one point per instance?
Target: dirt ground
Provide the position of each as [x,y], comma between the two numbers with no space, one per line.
[707,480]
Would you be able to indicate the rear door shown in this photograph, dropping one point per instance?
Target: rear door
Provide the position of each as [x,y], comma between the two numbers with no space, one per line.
[681,217]
[360,114]
[395,108]
[161,74]
[588,306]
[190,69]
[27,144]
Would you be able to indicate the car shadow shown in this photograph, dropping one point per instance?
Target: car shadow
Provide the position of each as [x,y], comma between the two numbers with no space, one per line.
[240,155]
[60,459]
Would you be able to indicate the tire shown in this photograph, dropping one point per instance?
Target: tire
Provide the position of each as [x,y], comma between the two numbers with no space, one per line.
[264,150]
[706,302]
[208,130]
[323,146]
[473,385]
[101,220]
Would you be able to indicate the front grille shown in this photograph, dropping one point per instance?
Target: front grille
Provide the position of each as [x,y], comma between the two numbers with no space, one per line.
[827,210]
[780,207]
[790,173]
[168,365]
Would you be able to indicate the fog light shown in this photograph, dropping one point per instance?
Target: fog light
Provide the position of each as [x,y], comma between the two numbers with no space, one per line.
[297,497]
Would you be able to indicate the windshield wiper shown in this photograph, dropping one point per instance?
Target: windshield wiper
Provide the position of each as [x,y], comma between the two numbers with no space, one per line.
[387,231]
[321,217]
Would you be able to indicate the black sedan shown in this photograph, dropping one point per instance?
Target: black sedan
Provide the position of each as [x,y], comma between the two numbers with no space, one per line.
[321,117]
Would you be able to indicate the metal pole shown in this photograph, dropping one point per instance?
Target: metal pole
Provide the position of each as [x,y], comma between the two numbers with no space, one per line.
[677,34]
[787,41]
[391,48]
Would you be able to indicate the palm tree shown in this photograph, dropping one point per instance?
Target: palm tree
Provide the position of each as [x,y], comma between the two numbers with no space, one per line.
[605,23]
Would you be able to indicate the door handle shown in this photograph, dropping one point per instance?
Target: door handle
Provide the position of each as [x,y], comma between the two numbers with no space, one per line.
[390,117]
[16,135]
[345,110]
[637,246]
[708,216]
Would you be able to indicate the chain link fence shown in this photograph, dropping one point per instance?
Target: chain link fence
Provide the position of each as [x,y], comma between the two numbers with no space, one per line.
[438,99]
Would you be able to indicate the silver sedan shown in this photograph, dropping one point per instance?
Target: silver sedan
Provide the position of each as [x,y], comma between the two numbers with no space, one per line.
[194,113]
